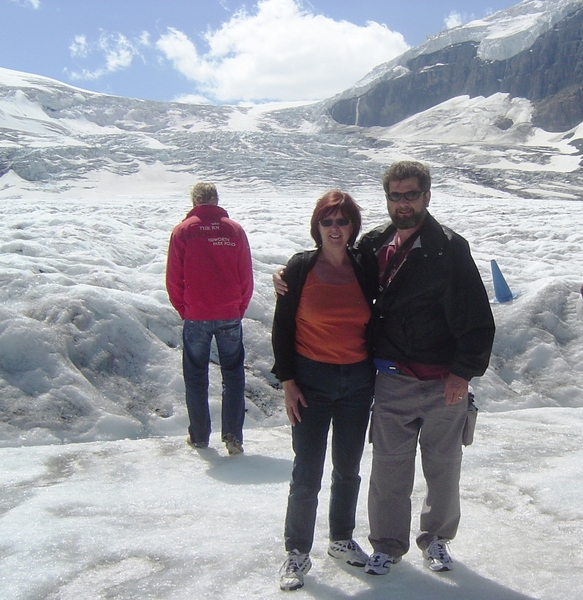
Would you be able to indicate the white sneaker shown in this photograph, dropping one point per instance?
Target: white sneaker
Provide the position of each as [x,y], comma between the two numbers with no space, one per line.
[348,551]
[437,553]
[291,574]
[380,563]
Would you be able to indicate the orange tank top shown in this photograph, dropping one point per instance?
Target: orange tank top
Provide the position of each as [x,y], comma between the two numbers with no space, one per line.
[331,322]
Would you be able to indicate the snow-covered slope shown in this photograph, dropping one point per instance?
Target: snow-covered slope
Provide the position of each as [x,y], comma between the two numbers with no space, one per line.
[58,139]
[61,140]
[90,346]
[90,186]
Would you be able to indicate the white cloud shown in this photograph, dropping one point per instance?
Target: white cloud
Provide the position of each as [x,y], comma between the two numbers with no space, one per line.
[115,52]
[280,52]
[180,50]
[192,99]
[454,19]
[79,47]
[32,3]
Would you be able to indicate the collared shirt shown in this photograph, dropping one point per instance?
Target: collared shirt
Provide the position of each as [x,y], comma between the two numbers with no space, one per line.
[421,371]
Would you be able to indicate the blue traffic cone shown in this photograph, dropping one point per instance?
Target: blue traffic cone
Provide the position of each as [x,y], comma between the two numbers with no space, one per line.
[502,292]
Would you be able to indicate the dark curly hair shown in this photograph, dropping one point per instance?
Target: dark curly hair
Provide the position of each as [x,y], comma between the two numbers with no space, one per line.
[407,169]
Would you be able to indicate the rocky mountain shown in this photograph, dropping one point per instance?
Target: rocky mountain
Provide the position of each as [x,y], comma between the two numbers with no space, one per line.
[533,50]
[494,106]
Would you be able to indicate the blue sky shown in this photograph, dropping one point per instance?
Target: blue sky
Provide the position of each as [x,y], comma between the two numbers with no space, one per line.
[220,51]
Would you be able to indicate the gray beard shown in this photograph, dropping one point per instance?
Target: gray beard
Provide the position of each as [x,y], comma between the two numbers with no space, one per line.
[408,222]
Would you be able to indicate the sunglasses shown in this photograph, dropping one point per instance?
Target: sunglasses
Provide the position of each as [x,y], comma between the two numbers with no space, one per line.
[343,222]
[410,196]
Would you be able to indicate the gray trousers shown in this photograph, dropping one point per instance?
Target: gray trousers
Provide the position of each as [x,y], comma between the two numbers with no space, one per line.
[407,411]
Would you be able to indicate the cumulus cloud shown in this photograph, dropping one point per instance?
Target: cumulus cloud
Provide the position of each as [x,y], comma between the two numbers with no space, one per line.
[182,53]
[115,52]
[280,52]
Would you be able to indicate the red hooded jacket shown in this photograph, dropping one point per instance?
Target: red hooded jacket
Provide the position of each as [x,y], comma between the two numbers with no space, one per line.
[209,275]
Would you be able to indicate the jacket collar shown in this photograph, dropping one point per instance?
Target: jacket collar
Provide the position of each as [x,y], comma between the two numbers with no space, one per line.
[432,236]
[209,211]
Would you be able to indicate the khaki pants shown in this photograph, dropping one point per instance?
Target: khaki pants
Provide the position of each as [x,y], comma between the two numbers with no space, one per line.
[407,411]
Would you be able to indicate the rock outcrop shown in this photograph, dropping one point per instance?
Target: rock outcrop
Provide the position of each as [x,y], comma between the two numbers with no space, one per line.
[549,73]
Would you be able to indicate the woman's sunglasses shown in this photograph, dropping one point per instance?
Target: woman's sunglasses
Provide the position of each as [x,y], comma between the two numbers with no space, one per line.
[343,222]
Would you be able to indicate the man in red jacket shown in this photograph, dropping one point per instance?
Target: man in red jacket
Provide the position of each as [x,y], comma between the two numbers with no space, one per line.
[209,278]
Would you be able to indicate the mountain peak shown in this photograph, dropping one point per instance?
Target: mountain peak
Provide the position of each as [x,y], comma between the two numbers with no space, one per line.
[531,50]
[499,36]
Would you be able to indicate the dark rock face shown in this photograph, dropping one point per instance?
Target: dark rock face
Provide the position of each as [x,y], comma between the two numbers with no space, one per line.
[549,73]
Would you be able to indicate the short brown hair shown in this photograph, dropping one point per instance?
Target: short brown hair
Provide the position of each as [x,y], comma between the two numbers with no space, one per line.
[204,193]
[407,169]
[329,203]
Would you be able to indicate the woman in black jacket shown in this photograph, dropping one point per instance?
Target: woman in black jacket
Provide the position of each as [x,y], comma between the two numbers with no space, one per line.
[321,358]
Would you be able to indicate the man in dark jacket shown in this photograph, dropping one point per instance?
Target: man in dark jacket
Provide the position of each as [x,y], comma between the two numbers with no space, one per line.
[432,332]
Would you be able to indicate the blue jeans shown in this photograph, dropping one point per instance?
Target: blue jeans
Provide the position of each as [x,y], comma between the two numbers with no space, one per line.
[341,395]
[197,337]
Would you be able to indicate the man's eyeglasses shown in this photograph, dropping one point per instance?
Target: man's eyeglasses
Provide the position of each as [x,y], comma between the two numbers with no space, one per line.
[343,222]
[410,196]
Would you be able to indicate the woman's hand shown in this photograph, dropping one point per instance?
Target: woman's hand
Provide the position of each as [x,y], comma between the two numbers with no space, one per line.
[279,284]
[293,398]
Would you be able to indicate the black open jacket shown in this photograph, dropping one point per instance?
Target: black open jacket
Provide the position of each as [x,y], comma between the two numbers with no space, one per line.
[436,310]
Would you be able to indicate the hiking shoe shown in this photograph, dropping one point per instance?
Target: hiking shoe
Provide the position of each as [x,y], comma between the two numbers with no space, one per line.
[437,553]
[234,446]
[348,551]
[291,574]
[196,444]
[380,563]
